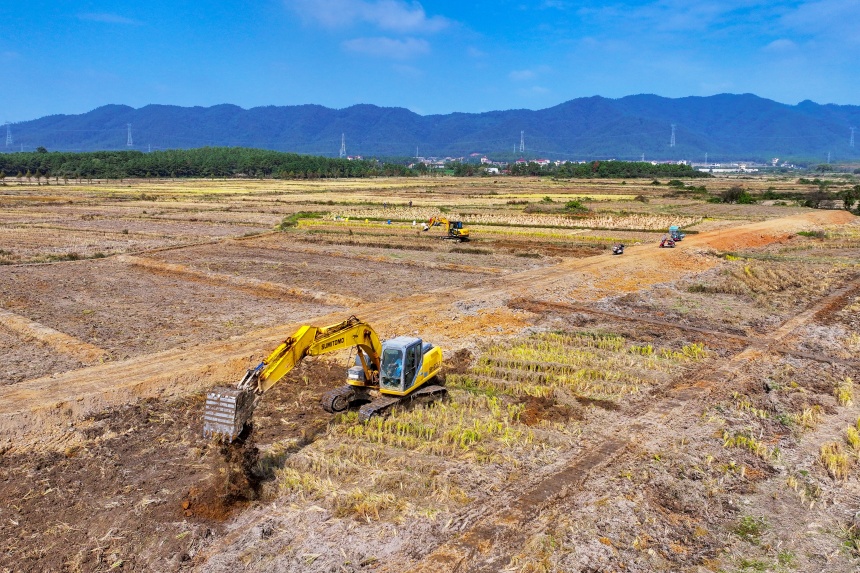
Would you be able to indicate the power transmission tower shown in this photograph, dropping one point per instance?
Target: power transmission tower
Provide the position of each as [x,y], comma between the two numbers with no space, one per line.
[706,158]
[9,136]
[643,158]
[851,143]
[342,145]
[522,141]
[828,158]
[129,141]
[672,141]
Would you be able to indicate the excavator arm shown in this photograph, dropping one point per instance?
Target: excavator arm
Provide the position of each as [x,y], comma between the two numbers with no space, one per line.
[228,410]
[313,341]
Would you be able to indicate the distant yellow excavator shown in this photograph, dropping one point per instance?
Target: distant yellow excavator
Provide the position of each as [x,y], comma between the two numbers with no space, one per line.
[454,230]
[385,374]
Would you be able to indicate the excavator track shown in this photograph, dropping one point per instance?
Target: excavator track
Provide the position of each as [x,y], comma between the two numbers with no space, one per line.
[378,407]
[427,394]
[340,399]
[381,406]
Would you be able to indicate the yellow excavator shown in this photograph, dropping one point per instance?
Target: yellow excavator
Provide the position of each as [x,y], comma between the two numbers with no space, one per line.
[401,369]
[454,230]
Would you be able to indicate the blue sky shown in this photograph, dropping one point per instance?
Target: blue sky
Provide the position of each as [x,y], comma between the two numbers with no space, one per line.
[431,57]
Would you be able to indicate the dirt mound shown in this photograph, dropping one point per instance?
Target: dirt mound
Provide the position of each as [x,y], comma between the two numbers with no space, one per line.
[539,408]
[459,363]
[235,481]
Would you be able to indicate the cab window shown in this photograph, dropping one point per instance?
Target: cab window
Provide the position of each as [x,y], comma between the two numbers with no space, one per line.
[413,359]
[392,367]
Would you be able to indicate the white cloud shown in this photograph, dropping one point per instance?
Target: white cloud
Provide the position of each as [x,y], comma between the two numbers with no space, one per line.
[107,18]
[8,56]
[521,75]
[836,18]
[524,75]
[388,47]
[679,15]
[780,46]
[534,91]
[475,52]
[390,15]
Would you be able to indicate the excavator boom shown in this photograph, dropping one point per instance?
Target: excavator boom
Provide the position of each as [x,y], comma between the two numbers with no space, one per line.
[228,410]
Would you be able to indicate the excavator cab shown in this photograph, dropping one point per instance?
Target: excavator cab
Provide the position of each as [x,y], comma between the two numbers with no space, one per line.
[401,360]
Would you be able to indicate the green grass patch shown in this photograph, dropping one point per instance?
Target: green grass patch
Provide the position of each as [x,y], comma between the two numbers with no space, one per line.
[813,234]
[293,220]
[750,529]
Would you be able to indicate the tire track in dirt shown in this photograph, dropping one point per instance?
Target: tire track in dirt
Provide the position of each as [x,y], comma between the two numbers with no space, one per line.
[489,545]
[61,342]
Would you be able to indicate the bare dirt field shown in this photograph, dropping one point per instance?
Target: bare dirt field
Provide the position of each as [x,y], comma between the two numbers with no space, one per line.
[688,409]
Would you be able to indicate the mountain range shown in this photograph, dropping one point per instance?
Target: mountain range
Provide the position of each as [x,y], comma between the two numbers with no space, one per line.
[725,127]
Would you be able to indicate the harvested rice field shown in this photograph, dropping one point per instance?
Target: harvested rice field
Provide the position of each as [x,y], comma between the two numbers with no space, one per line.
[686,409]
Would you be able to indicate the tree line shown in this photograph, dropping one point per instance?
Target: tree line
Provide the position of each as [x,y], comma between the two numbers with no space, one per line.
[261,163]
[201,162]
[609,170]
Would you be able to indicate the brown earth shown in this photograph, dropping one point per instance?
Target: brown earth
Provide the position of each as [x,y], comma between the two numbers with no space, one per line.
[135,487]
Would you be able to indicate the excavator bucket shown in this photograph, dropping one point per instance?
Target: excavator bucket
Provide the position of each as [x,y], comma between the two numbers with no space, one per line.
[226,412]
